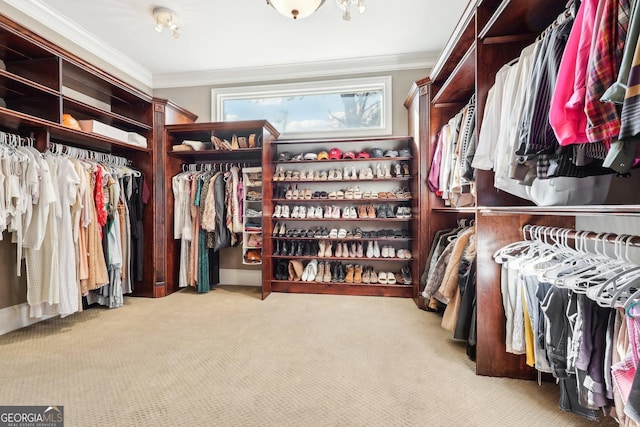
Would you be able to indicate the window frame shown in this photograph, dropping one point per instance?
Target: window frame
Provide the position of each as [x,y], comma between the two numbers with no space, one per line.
[378,83]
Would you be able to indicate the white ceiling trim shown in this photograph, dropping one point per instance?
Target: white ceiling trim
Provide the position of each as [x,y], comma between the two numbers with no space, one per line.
[375,64]
[48,17]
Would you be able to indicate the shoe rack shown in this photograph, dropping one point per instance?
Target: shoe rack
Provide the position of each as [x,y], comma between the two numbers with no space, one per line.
[252,216]
[340,216]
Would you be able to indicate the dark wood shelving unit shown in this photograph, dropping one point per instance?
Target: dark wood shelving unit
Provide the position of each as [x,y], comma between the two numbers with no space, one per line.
[271,164]
[176,160]
[490,34]
[39,73]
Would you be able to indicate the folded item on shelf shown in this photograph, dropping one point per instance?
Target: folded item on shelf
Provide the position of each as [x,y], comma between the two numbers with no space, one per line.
[196,145]
[136,139]
[182,147]
[103,129]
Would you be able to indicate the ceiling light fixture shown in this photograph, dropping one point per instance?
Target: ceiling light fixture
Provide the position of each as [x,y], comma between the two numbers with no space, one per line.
[296,9]
[346,5]
[166,18]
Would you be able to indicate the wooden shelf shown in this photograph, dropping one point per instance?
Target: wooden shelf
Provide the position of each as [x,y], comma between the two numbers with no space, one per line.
[513,17]
[385,140]
[591,210]
[325,201]
[346,239]
[462,38]
[470,210]
[204,131]
[460,85]
[320,162]
[82,111]
[364,289]
[343,219]
[251,155]
[334,258]
[15,86]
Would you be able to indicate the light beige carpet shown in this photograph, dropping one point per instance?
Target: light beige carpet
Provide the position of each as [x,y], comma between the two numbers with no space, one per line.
[229,359]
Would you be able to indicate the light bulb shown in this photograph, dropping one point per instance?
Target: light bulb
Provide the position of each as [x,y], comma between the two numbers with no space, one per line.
[158,27]
[342,4]
[347,15]
[361,7]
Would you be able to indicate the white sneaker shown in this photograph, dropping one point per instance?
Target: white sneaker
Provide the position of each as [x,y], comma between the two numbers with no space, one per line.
[391,252]
[384,252]
[285,211]
[369,252]
[295,213]
[302,213]
[346,213]
[277,212]
[376,250]
[352,212]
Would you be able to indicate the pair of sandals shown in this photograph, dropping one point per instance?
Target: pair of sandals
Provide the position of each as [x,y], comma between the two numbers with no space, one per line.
[298,194]
[387,278]
[350,193]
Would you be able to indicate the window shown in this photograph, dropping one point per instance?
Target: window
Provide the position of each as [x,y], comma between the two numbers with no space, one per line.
[338,108]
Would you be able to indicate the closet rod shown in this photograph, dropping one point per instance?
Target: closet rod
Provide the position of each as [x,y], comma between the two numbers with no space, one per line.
[81,153]
[630,240]
[14,140]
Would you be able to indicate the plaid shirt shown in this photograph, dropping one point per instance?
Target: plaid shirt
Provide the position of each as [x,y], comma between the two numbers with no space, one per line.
[603,117]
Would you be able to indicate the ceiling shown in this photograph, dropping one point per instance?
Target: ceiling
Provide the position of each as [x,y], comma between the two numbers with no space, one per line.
[224,36]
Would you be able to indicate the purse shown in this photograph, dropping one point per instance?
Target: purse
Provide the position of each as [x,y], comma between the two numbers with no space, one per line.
[253,255]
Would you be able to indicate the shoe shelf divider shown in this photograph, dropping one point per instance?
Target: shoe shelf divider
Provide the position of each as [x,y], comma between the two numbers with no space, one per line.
[248,203]
[275,178]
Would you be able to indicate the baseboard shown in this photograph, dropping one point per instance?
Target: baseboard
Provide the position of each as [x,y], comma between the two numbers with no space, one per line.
[16,317]
[237,277]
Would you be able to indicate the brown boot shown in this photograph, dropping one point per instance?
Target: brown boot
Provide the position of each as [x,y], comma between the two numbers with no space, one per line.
[298,269]
[357,276]
[350,273]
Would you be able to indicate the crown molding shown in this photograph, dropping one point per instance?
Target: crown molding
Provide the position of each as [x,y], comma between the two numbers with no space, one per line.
[54,21]
[375,64]
[79,36]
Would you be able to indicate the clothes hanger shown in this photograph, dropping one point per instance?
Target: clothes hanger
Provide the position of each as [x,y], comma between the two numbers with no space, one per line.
[590,265]
[616,277]
[555,248]
[575,258]
[512,249]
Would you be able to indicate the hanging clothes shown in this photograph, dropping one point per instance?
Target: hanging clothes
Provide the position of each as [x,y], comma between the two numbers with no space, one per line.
[206,217]
[574,305]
